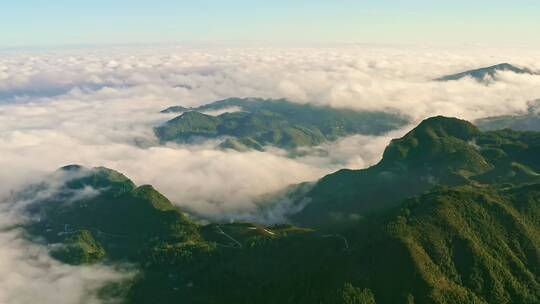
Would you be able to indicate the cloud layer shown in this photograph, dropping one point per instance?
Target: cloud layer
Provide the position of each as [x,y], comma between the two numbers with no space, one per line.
[98,106]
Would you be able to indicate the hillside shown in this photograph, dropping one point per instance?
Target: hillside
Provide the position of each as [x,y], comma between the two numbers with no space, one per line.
[440,151]
[278,123]
[528,121]
[491,72]
[451,245]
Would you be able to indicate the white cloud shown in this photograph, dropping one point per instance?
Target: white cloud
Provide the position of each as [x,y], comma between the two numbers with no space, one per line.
[222,111]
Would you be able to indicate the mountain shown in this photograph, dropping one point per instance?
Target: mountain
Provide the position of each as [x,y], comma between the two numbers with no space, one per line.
[491,72]
[529,121]
[175,109]
[279,123]
[99,213]
[526,122]
[439,151]
[450,215]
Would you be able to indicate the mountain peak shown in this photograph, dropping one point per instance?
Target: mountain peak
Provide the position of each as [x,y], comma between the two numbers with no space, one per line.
[491,71]
[71,168]
[504,65]
[433,135]
[105,179]
[447,126]
[175,109]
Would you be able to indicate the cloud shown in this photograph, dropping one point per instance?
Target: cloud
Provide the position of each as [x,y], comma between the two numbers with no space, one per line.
[106,102]
[222,111]
[209,182]
[350,77]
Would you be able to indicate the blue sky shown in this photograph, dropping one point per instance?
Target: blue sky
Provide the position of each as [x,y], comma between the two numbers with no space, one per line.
[74,22]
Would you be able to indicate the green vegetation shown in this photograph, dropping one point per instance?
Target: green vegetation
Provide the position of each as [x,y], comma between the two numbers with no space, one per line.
[491,72]
[450,215]
[355,295]
[113,220]
[277,123]
[79,248]
[440,151]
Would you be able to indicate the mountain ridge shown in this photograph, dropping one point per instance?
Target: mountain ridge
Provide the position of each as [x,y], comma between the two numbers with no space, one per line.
[279,123]
[481,74]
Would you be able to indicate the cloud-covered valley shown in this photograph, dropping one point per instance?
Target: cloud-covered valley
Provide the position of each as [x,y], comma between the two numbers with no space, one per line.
[97,107]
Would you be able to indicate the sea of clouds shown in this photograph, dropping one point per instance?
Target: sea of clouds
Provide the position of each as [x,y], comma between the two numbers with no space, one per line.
[97,107]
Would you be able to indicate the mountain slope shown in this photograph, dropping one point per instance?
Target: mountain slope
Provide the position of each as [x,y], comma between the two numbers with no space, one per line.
[462,244]
[440,151]
[481,73]
[466,245]
[277,123]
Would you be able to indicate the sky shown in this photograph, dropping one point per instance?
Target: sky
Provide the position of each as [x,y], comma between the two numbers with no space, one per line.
[38,23]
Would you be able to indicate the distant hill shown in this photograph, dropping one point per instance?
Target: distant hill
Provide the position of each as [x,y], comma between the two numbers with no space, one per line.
[529,121]
[450,215]
[482,73]
[526,122]
[278,123]
[175,109]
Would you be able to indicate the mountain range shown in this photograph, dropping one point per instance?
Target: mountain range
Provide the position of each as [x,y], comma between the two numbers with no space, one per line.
[254,123]
[449,215]
[529,121]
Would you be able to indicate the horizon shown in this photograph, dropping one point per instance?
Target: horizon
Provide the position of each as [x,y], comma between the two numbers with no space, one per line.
[37,24]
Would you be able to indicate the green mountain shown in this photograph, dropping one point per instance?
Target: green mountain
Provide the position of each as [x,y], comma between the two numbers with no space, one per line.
[279,123]
[481,73]
[440,151]
[450,215]
[99,213]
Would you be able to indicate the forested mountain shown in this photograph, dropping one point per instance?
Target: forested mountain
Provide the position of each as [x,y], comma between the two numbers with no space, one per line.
[255,123]
[440,151]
